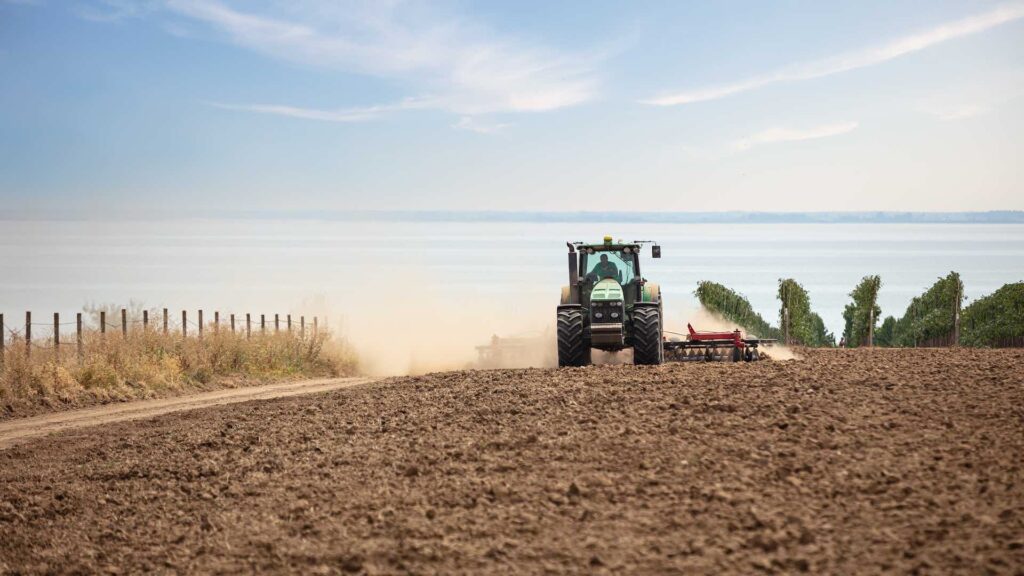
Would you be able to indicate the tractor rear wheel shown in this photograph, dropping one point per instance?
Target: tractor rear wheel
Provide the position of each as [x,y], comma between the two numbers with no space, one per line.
[573,349]
[647,345]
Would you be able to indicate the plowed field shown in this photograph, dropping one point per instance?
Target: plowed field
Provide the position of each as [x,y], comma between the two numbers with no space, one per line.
[846,462]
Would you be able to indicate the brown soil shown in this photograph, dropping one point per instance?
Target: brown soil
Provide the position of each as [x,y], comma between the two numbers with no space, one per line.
[846,462]
[19,430]
[54,402]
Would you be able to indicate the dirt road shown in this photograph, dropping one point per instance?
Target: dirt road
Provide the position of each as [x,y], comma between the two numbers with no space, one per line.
[23,429]
[852,462]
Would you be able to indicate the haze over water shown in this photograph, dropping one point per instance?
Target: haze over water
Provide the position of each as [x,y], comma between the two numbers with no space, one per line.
[427,270]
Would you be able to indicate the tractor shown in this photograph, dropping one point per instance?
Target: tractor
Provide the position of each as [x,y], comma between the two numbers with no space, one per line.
[608,305]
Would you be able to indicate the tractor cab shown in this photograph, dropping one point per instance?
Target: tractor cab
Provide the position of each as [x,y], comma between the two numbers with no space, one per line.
[618,265]
[605,266]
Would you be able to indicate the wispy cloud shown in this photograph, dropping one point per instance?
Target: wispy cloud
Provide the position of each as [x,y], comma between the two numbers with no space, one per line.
[775,135]
[974,100]
[474,124]
[958,111]
[115,10]
[851,61]
[343,115]
[468,68]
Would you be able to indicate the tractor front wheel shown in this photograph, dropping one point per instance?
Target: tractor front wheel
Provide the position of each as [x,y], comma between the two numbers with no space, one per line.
[573,349]
[647,345]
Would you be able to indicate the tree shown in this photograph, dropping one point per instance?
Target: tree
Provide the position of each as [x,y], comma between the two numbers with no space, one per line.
[997,319]
[796,320]
[886,332]
[733,307]
[861,316]
[930,318]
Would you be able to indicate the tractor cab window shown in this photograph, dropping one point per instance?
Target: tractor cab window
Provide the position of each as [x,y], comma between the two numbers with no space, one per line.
[618,266]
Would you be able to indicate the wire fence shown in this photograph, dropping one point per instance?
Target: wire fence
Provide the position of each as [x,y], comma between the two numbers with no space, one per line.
[56,335]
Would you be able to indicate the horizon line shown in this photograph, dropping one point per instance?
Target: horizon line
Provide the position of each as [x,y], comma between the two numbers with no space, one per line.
[540,216]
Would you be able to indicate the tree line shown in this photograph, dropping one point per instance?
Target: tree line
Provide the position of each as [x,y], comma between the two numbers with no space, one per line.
[935,318]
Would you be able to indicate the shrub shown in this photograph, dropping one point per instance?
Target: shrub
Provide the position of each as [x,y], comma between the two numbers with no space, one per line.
[150,363]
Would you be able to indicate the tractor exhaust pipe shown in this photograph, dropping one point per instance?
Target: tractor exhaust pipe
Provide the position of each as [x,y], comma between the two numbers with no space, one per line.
[574,272]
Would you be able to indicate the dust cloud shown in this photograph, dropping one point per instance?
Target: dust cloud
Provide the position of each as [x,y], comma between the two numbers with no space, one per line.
[411,327]
[409,323]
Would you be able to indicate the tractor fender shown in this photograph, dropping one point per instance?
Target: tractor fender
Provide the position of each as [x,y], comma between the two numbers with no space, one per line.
[651,292]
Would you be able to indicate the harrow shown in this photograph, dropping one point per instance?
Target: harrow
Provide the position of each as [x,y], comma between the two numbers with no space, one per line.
[702,346]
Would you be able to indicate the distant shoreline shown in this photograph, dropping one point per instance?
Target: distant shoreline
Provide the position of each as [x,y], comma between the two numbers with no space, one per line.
[874,217]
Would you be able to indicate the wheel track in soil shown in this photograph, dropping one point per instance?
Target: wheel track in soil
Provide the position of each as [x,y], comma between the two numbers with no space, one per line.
[21,430]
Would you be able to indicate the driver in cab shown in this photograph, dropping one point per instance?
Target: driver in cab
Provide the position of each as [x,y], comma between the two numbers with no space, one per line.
[606,269]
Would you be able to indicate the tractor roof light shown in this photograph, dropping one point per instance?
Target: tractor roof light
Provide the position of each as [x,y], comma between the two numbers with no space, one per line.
[607,239]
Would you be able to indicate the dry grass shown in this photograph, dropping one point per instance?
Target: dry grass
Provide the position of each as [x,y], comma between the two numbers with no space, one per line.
[150,365]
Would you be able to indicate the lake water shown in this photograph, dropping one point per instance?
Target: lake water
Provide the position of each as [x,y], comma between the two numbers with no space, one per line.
[424,281]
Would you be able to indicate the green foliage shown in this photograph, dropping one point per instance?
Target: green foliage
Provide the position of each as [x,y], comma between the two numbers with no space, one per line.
[735,308]
[886,332]
[929,318]
[805,327]
[996,319]
[863,313]
[824,337]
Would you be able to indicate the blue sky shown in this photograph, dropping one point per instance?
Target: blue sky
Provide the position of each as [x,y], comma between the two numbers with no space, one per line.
[316,104]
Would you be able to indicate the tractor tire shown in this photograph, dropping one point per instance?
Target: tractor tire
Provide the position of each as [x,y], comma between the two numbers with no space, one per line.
[647,345]
[573,349]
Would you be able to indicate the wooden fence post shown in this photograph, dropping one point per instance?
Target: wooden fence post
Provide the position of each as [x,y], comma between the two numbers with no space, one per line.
[103,322]
[28,333]
[277,324]
[200,324]
[184,324]
[232,323]
[316,328]
[302,326]
[289,323]
[78,334]
[56,335]
[248,326]
[216,322]
[124,323]
[263,324]
[165,321]
[145,320]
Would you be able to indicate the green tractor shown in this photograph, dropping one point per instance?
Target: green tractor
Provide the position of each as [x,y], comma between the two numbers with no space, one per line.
[608,305]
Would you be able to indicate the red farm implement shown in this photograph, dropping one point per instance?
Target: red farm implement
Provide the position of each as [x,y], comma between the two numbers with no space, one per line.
[701,346]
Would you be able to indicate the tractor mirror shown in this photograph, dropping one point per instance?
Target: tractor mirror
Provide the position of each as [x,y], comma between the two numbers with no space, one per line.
[655,251]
